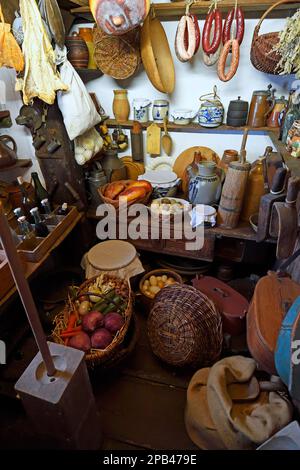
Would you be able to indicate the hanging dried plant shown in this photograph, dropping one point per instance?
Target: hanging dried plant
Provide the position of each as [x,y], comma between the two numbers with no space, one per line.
[289,46]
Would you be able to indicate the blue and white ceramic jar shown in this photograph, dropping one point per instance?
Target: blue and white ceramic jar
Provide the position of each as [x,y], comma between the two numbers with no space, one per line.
[211,112]
[141,109]
[160,110]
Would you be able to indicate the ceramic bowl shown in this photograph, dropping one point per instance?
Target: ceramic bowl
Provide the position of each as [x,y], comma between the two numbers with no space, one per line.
[183,117]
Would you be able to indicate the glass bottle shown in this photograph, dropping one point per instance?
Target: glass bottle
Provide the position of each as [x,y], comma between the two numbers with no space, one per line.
[49,216]
[18,212]
[28,202]
[63,210]
[40,191]
[27,233]
[292,114]
[41,229]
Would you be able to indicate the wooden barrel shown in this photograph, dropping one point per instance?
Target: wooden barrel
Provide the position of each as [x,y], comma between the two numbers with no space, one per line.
[233,194]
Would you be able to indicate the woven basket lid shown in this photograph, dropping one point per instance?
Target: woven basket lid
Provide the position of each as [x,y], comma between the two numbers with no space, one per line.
[111,255]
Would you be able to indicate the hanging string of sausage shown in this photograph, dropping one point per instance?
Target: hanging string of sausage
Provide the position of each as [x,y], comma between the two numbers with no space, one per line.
[232,36]
[213,20]
[188,37]
[214,37]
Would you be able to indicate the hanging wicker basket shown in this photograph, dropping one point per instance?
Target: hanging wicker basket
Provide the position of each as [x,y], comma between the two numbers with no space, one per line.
[185,328]
[97,357]
[117,56]
[262,54]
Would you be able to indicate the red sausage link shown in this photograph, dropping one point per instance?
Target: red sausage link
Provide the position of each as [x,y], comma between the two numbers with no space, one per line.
[240,26]
[227,26]
[211,47]
[197,32]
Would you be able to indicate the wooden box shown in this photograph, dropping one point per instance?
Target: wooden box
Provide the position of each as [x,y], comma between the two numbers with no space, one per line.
[43,245]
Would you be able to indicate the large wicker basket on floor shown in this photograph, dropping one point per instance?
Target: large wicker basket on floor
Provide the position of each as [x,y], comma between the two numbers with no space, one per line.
[184,327]
[97,357]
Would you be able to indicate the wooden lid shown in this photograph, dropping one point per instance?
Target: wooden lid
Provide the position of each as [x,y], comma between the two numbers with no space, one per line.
[111,255]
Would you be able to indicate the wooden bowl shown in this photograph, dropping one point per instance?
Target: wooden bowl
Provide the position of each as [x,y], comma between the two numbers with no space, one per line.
[147,301]
[156,55]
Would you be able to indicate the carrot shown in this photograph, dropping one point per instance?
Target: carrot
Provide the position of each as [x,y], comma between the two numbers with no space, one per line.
[71,322]
[67,333]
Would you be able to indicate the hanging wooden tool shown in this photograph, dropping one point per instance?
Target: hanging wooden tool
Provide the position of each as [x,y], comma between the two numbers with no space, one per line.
[154,140]
[284,220]
[277,194]
[137,147]
[167,143]
[234,189]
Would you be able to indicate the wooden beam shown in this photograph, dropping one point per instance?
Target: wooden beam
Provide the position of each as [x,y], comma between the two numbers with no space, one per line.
[173,10]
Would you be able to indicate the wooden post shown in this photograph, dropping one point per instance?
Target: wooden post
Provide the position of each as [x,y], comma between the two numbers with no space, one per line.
[55,388]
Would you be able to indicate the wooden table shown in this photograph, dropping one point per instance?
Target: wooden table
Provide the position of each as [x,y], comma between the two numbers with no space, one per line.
[234,241]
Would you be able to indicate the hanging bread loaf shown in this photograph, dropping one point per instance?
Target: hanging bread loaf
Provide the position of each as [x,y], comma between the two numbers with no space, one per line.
[117,56]
[41,79]
[116,17]
[232,45]
[187,39]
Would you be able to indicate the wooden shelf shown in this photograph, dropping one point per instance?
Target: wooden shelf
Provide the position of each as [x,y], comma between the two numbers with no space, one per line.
[31,268]
[173,10]
[292,163]
[87,75]
[21,163]
[193,127]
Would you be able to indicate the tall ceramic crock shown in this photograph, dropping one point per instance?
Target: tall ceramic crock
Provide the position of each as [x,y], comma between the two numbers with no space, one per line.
[205,185]
[78,53]
[121,107]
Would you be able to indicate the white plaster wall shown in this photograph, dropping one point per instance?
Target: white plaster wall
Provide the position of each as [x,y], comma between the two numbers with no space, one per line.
[195,79]
[13,102]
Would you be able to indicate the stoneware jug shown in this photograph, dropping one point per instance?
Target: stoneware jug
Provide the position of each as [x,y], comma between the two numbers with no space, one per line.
[205,184]
[8,156]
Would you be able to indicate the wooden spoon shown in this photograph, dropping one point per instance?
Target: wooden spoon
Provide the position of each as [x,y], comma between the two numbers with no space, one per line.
[167,143]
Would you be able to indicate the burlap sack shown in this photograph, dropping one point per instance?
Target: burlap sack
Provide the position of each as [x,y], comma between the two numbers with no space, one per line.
[214,421]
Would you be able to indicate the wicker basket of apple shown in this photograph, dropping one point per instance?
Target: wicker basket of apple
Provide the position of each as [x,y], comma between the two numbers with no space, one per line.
[96,318]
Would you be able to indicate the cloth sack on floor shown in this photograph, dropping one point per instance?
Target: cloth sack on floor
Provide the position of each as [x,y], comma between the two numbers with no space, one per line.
[237,425]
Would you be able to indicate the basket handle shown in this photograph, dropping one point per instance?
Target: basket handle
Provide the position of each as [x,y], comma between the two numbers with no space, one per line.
[281,2]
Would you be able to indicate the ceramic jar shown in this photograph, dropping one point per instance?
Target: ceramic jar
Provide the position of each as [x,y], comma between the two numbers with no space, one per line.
[211,112]
[205,185]
[293,140]
[228,157]
[87,35]
[141,109]
[160,110]
[121,107]
[78,53]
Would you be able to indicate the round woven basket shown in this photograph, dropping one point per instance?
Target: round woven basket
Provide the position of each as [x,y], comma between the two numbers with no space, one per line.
[116,203]
[185,328]
[97,357]
[262,55]
[117,56]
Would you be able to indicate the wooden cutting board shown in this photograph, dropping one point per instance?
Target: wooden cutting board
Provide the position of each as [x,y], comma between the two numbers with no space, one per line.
[154,139]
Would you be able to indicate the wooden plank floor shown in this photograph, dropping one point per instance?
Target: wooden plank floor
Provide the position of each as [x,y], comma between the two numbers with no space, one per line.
[141,405]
